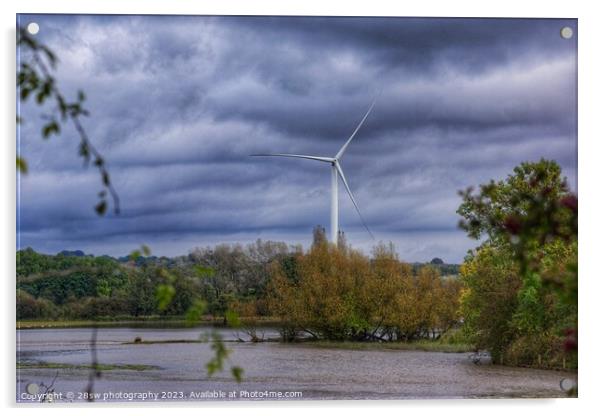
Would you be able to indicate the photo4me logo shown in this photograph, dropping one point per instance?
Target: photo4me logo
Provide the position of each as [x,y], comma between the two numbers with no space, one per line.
[265,394]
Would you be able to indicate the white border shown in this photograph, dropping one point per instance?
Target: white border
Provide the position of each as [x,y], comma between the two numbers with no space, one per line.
[590,24]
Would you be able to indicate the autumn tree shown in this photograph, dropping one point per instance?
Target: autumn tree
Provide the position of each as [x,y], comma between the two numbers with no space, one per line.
[342,294]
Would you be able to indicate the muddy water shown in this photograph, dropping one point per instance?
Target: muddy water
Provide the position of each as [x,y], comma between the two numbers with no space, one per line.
[271,370]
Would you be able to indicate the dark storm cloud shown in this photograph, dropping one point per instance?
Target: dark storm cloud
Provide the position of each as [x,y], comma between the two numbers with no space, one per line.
[179,103]
[407,55]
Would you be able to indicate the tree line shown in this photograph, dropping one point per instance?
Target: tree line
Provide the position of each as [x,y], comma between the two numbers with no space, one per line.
[246,280]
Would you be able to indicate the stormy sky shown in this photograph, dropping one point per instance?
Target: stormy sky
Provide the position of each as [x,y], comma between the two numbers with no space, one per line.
[179,103]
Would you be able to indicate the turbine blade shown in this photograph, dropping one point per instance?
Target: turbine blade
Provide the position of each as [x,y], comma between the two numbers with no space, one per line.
[318,158]
[342,175]
[340,153]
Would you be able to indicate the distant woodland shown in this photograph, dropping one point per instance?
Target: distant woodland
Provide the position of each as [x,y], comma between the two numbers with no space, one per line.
[74,285]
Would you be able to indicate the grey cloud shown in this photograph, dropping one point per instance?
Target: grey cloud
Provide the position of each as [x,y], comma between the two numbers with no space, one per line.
[179,103]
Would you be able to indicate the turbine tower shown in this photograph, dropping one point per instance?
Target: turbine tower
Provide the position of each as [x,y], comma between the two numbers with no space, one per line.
[336,172]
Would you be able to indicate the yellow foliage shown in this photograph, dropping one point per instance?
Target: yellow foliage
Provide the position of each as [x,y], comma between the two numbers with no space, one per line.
[343,294]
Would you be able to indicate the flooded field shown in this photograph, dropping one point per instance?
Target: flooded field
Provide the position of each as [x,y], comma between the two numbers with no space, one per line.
[176,371]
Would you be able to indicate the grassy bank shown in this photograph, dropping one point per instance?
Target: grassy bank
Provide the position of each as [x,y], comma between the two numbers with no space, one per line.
[140,321]
[101,367]
[38,324]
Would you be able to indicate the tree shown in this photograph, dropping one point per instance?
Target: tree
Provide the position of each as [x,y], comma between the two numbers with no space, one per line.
[319,235]
[489,300]
[528,258]
[342,240]
[339,293]
[498,210]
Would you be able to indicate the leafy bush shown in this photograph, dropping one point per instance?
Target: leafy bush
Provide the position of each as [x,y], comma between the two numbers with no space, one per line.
[521,283]
[28,307]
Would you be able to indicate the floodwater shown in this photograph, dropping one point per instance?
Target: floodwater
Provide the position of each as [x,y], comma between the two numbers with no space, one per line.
[272,370]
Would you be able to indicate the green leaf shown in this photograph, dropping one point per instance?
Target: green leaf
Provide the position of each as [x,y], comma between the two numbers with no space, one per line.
[101,207]
[50,128]
[21,165]
[221,353]
[45,91]
[84,151]
[21,78]
[237,373]
[40,97]
[146,250]
[25,93]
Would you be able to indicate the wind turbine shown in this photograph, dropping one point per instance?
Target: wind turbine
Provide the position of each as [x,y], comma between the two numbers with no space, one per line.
[336,172]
